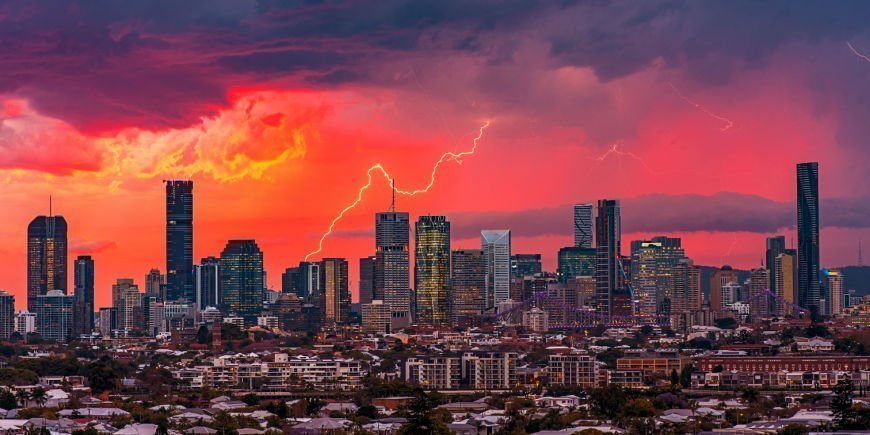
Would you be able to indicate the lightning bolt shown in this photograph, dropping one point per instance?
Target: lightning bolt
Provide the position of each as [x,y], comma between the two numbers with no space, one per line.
[728,123]
[857,53]
[378,168]
[615,150]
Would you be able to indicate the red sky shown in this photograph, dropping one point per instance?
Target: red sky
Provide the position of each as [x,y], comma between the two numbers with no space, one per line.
[276,116]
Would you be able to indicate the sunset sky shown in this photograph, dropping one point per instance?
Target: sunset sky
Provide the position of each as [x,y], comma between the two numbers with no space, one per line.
[692,113]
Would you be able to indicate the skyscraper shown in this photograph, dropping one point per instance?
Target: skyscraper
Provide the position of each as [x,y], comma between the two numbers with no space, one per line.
[808,235]
[608,273]
[574,261]
[774,246]
[785,281]
[207,283]
[583,225]
[468,285]
[759,300]
[432,270]
[720,278]
[179,240]
[525,265]
[496,247]
[686,293]
[835,292]
[652,270]
[335,306]
[155,284]
[54,316]
[46,257]
[241,280]
[392,268]
[127,300]
[7,314]
[83,298]
[367,279]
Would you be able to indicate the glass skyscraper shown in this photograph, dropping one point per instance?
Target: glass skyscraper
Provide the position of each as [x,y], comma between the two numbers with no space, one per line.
[467,284]
[367,280]
[207,283]
[525,265]
[809,290]
[83,298]
[496,247]
[608,274]
[46,257]
[583,225]
[432,269]
[179,240]
[574,261]
[241,280]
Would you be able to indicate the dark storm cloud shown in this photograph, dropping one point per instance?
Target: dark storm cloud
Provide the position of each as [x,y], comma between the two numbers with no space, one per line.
[723,212]
[104,65]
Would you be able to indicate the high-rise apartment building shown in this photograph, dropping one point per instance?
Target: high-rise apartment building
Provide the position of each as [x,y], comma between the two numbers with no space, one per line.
[608,271]
[686,293]
[432,270]
[46,257]
[241,280]
[54,316]
[583,225]
[773,247]
[784,270]
[179,240]
[809,291]
[760,302]
[496,247]
[155,284]
[127,301]
[83,298]
[7,314]
[835,292]
[468,286]
[335,303]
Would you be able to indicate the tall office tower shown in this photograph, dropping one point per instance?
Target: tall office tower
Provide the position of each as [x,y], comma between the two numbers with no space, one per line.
[54,316]
[583,225]
[467,286]
[46,256]
[835,292]
[432,270]
[652,271]
[783,276]
[207,283]
[608,273]
[83,298]
[720,278]
[127,300]
[335,303]
[525,265]
[392,278]
[686,293]
[7,314]
[25,322]
[155,283]
[496,247]
[574,261]
[303,280]
[808,235]
[241,280]
[290,280]
[759,301]
[730,294]
[179,240]
[367,279]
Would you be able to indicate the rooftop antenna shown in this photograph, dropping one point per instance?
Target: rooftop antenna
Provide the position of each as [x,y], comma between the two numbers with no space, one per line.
[393,202]
[49,205]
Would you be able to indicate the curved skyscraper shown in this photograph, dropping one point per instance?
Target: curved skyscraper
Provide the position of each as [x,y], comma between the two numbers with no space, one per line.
[808,235]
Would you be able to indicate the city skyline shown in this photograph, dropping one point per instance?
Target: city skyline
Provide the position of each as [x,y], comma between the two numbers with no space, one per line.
[278,141]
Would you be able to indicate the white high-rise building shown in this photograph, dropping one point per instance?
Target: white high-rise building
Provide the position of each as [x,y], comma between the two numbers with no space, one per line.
[583,225]
[496,247]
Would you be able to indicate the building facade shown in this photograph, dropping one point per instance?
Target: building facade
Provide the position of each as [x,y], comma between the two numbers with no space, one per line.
[583,225]
[809,290]
[241,280]
[179,240]
[496,248]
[468,286]
[432,270]
[83,301]
[46,257]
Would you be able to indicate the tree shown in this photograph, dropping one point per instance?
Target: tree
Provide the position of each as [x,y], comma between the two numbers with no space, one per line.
[841,405]
[686,376]
[675,378]
[23,397]
[202,335]
[750,395]
[7,400]
[725,323]
[608,401]
[421,419]
[369,411]
[38,395]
